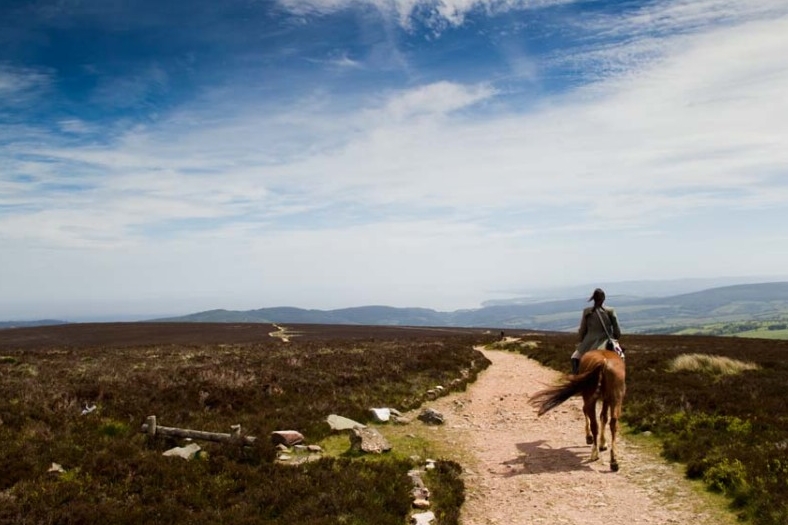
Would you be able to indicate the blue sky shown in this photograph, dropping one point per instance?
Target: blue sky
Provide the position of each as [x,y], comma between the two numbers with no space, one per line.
[170,157]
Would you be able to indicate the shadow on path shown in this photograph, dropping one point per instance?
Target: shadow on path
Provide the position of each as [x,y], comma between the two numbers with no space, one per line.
[537,457]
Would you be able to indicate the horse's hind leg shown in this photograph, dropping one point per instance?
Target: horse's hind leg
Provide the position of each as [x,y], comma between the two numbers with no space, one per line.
[589,409]
[603,416]
[589,437]
[615,413]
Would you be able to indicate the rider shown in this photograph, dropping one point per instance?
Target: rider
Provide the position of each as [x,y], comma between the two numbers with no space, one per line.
[593,334]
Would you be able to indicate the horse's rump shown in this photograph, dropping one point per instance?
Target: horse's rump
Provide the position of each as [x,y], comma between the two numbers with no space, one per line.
[549,398]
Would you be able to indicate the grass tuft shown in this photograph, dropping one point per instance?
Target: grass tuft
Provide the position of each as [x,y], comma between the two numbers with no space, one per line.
[709,364]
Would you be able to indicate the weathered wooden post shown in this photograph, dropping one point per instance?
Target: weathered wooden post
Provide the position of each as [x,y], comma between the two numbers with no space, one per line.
[151,428]
[151,422]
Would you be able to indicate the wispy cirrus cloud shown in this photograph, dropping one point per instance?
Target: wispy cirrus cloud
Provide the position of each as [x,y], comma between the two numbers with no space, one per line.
[21,84]
[434,13]
[612,43]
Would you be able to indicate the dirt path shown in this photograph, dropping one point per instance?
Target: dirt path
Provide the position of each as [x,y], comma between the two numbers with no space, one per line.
[527,470]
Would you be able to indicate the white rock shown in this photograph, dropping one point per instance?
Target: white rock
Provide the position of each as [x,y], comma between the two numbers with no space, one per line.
[188,452]
[381,414]
[422,518]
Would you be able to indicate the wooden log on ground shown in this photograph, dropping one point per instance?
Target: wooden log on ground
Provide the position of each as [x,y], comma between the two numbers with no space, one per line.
[151,428]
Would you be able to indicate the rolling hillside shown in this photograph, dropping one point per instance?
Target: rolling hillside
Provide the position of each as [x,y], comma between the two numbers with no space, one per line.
[746,302]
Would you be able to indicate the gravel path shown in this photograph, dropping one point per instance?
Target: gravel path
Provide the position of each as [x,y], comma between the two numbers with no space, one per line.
[524,469]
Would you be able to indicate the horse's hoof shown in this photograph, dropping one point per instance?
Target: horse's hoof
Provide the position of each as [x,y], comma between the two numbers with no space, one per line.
[614,467]
[589,440]
[603,448]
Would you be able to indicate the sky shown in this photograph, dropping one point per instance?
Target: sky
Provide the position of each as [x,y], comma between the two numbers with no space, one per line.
[173,157]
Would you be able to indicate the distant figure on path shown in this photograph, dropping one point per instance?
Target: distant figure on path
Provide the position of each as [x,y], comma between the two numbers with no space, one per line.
[597,325]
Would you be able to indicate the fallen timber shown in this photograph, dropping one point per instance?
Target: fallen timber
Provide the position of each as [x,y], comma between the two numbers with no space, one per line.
[151,428]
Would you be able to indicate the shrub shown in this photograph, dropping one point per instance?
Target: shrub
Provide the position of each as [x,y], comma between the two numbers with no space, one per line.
[726,476]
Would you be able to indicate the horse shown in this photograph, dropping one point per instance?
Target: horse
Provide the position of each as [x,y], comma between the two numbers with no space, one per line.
[602,377]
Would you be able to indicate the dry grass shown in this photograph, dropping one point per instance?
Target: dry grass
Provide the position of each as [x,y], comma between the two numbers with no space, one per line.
[715,365]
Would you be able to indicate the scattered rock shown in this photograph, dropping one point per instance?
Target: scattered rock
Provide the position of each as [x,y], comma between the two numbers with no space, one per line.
[56,468]
[400,420]
[298,455]
[422,518]
[381,415]
[286,437]
[88,409]
[342,423]
[420,493]
[431,417]
[368,440]
[415,478]
[421,504]
[188,452]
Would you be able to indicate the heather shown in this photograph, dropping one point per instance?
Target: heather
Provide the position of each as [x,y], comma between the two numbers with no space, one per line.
[210,377]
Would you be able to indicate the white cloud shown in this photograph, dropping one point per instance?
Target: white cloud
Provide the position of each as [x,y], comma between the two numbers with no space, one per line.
[435,99]
[75,126]
[19,84]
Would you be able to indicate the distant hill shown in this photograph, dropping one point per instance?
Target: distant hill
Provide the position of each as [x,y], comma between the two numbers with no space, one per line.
[643,315]
[24,324]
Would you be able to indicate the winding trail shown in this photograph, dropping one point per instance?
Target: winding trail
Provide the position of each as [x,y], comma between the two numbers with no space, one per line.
[523,469]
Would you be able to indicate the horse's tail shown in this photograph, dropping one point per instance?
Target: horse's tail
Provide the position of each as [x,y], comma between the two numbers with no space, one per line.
[550,398]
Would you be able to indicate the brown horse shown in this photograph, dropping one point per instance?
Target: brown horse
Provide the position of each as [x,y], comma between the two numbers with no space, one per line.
[601,377]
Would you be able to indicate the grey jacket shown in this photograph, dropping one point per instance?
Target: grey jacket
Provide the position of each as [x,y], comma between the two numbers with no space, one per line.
[592,332]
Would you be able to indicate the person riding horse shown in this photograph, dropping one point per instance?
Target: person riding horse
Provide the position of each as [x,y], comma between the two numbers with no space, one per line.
[597,325]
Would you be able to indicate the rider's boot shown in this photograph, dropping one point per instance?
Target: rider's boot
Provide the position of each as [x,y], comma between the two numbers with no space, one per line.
[575,365]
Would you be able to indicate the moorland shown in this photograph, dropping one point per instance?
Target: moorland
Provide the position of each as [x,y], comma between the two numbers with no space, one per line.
[211,377]
[728,429]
